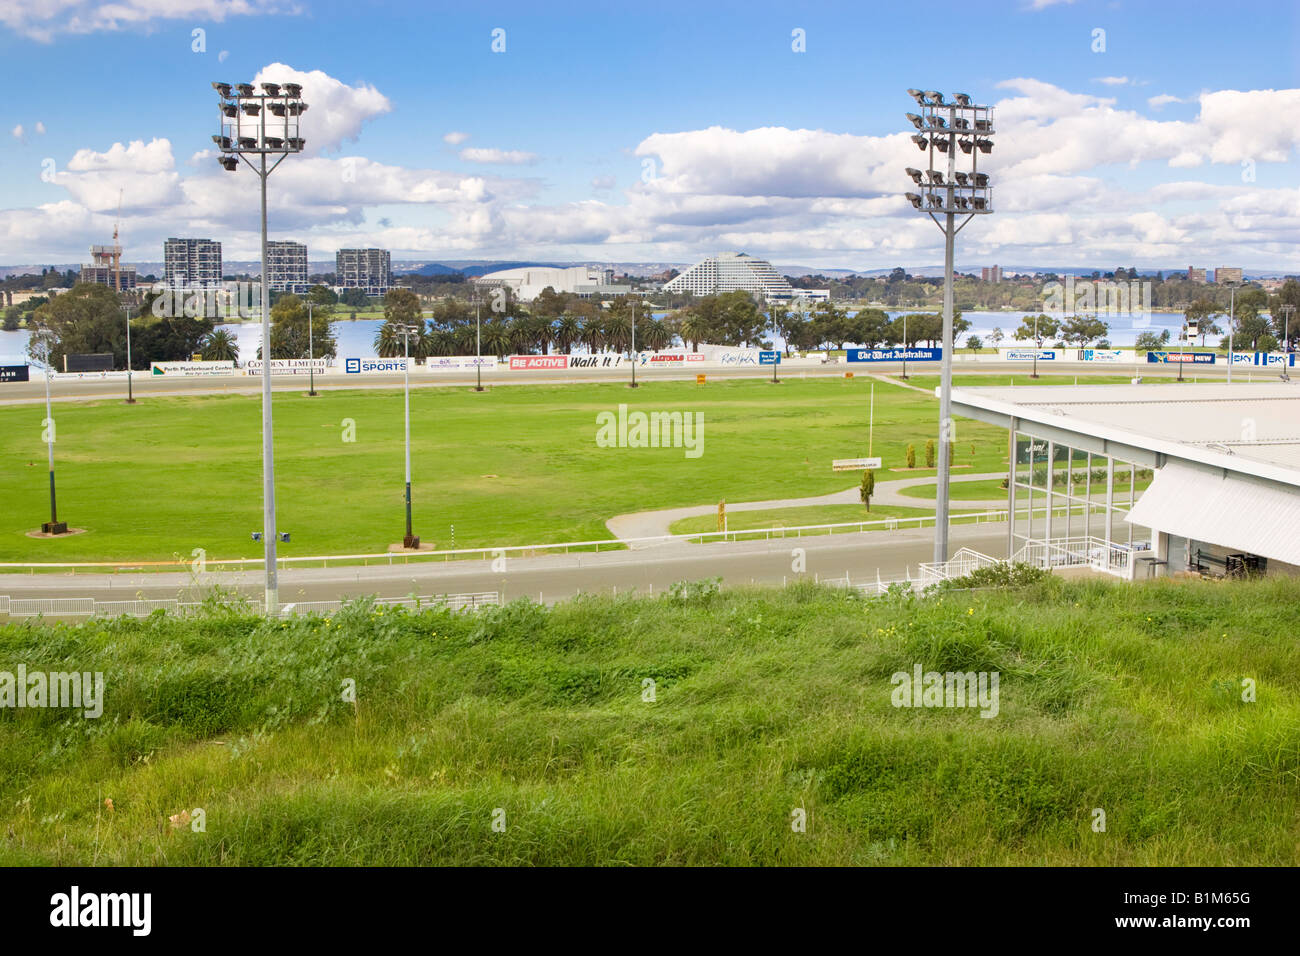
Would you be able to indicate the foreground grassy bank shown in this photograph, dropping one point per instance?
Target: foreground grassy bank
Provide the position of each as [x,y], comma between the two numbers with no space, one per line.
[1126,699]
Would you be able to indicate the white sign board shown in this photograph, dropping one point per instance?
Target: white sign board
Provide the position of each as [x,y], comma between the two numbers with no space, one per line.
[855,464]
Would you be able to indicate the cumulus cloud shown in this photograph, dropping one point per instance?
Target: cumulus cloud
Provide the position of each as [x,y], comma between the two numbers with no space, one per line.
[507,157]
[1161,101]
[46,19]
[335,111]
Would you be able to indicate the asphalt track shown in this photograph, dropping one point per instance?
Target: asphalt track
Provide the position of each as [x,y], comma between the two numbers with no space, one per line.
[860,555]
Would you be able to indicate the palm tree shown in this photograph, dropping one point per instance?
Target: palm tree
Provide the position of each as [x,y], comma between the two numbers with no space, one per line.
[568,332]
[388,344]
[593,333]
[655,335]
[220,346]
[496,338]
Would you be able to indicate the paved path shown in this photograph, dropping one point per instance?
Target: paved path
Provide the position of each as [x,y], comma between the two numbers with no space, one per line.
[648,524]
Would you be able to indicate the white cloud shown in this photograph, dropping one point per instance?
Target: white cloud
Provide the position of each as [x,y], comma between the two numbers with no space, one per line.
[455,138]
[40,128]
[335,111]
[508,157]
[17,132]
[1112,80]
[603,183]
[1161,101]
[42,20]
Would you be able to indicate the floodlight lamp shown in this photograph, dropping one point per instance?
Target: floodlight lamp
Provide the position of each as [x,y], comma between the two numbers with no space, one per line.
[941,144]
[981,179]
[936,177]
[245,89]
[983,125]
[917,95]
[230,109]
[966,144]
[229,162]
[935,97]
[293,89]
[962,99]
[938,122]
[248,142]
[277,108]
[960,201]
[914,199]
[271,89]
[274,142]
[920,142]
[916,120]
[296,143]
[978,202]
[296,109]
[961,178]
[961,123]
[985,145]
[252,109]
[222,141]
[914,173]
[222,88]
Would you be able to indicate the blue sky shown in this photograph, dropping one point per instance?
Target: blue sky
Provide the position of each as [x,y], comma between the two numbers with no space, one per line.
[792,155]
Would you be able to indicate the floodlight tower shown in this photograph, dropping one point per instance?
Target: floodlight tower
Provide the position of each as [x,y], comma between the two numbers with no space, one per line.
[262,125]
[949,127]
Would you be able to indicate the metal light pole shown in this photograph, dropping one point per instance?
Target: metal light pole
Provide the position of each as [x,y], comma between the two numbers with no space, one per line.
[243,133]
[948,127]
[311,355]
[410,541]
[1232,322]
[54,525]
[130,395]
[478,347]
[904,346]
[1286,309]
[1037,344]
[633,343]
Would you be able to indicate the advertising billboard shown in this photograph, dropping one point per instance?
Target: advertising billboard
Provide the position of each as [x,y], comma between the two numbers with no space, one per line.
[1175,358]
[13,373]
[914,354]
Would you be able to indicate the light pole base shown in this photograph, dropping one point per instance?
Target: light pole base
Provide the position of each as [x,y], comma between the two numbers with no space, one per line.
[411,541]
[633,384]
[128,401]
[54,527]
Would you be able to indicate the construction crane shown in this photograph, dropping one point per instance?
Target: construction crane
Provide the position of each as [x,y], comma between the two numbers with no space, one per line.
[117,249]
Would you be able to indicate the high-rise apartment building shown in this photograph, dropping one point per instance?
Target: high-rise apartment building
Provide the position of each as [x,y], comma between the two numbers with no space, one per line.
[370,270]
[1227,274]
[1196,275]
[286,266]
[991,274]
[192,263]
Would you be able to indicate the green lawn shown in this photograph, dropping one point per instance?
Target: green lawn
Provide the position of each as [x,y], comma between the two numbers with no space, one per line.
[1126,699]
[793,517]
[796,517]
[512,465]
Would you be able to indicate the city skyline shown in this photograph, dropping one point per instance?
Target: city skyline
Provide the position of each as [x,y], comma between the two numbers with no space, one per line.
[1109,155]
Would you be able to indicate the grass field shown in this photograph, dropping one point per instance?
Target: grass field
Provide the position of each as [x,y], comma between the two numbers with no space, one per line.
[514,465]
[793,517]
[1123,698]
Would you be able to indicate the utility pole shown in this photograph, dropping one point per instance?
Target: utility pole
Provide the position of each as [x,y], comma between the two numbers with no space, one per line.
[410,541]
[1232,322]
[478,347]
[633,343]
[311,355]
[130,395]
